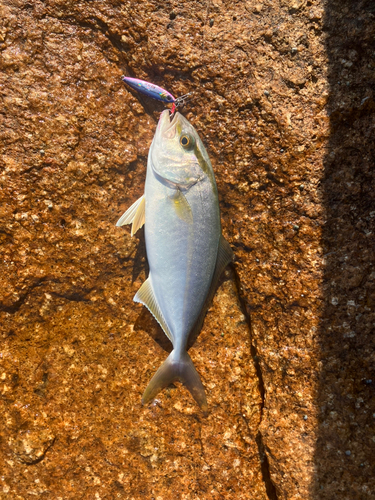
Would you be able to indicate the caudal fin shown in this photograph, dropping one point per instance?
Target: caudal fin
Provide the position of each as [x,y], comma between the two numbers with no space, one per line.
[181,369]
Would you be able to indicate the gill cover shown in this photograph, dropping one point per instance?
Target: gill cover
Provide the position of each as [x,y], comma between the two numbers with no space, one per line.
[173,152]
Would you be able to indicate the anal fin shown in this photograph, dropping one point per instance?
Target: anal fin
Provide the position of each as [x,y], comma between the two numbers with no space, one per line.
[134,215]
[145,296]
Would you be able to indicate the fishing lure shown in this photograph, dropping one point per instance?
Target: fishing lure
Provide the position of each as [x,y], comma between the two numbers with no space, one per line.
[156,92]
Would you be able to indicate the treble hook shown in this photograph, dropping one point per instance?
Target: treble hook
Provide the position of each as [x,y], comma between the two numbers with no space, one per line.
[180,101]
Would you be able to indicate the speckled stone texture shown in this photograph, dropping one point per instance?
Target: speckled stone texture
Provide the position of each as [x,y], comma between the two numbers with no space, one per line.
[284,102]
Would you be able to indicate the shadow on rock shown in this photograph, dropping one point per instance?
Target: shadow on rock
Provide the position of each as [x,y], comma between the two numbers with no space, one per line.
[344,458]
[148,324]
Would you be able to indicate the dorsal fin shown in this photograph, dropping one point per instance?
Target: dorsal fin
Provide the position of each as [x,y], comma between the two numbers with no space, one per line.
[134,215]
[224,257]
[145,296]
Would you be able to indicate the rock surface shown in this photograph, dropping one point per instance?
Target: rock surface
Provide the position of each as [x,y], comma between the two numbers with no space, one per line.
[284,102]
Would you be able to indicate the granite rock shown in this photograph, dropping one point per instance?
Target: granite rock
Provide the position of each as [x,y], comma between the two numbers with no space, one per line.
[284,102]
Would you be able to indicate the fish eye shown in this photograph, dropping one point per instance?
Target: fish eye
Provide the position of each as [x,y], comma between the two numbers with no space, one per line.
[169,98]
[186,141]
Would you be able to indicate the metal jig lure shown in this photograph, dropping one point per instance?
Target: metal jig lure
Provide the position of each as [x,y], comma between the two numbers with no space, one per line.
[156,92]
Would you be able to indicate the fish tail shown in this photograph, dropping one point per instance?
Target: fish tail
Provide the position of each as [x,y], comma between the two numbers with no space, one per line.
[179,368]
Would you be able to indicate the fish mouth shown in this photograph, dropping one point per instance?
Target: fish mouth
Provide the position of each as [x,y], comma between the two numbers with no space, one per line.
[167,125]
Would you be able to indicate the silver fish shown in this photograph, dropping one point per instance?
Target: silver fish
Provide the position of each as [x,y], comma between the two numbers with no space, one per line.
[185,248]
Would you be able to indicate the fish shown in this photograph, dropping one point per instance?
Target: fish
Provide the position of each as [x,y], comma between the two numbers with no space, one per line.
[185,248]
[149,89]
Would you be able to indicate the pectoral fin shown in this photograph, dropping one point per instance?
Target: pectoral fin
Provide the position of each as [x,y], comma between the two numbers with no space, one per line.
[134,215]
[182,207]
[145,296]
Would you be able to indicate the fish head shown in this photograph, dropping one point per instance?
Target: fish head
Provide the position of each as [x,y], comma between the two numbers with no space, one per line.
[177,153]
